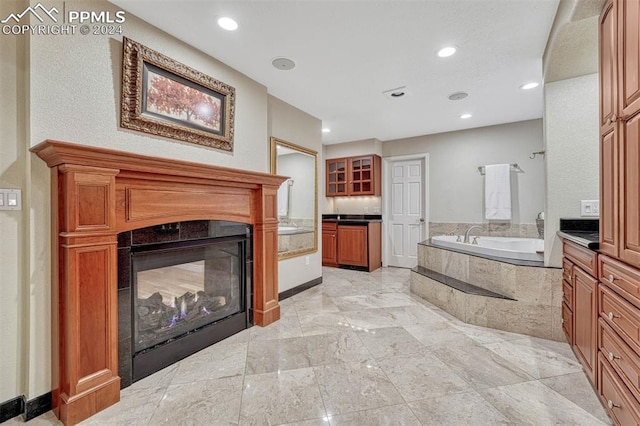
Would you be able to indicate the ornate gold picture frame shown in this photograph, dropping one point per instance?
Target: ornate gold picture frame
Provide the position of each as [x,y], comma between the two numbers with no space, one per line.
[164,97]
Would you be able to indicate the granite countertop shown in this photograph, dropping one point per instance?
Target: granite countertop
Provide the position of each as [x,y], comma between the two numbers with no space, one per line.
[584,232]
[352,219]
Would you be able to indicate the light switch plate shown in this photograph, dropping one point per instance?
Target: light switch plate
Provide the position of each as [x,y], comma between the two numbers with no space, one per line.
[10,199]
[590,208]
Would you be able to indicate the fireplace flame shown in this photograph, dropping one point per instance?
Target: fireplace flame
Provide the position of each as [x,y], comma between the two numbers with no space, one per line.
[183,309]
[173,322]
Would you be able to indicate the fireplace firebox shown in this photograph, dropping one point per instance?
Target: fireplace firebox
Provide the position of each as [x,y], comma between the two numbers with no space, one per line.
[182,287]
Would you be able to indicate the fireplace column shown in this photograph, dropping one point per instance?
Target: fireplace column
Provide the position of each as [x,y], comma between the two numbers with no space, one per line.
[85,333]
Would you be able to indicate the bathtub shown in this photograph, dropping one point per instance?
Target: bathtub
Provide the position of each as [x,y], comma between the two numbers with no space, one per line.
[505,247]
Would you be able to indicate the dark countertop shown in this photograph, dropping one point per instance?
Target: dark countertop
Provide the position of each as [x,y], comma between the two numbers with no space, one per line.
[352,219]
[584,232]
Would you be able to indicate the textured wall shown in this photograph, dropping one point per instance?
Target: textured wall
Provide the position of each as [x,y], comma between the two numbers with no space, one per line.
[70,91]
[571,143]
[13,228]
[456,188]
[292,125]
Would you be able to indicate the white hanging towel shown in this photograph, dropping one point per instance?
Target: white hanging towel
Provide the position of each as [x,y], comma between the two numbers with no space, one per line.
[283,198]
[497,191]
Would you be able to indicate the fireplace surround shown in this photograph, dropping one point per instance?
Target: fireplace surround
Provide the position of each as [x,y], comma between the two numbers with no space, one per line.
[98,193]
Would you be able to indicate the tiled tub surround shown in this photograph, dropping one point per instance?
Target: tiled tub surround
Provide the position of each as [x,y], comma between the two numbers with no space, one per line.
[359,349]
[536,310]
[491,229]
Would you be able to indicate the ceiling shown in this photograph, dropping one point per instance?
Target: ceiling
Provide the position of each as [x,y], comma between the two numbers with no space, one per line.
[348,52]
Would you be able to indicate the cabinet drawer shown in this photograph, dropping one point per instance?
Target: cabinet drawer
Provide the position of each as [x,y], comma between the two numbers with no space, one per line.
[621,405]
[329,226]
[567,323]
[622,278]
[620,356]
[567,293]
[583,257]
[567,269]
[623,317]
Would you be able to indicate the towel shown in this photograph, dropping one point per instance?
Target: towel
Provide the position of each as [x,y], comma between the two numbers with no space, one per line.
[497,192]
[283,199]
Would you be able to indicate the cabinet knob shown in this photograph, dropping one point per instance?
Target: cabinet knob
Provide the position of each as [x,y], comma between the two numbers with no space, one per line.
[612,316]
[612,404]
[612,356]
[611,278]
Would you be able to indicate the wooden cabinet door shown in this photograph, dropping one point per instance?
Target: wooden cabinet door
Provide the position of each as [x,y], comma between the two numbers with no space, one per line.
[609,194]
[352,245]
[337,175]
[629,245]
[584,320]
[329,248]
[629,56]
[608,68]
[361,177]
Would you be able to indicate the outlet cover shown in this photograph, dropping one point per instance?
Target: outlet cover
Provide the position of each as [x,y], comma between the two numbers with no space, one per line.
[589,208]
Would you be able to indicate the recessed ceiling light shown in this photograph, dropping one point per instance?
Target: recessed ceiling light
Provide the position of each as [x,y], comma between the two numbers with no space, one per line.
[465,116]
[227,23]
[446,51]
[529,86]
[284,64]
[326,130]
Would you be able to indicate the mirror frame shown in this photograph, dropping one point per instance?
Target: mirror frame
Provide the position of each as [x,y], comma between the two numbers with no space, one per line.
[274,142]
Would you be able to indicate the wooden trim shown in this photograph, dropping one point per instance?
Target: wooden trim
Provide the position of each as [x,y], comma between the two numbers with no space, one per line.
[97,193]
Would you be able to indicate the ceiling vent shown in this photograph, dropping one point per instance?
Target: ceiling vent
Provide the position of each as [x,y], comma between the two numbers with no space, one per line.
[396,93]
[458,96]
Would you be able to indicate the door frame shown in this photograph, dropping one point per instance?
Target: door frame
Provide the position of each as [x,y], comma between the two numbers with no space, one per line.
[386,196]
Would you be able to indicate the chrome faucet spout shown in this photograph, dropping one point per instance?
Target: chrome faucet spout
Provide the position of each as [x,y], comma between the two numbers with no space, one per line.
[466,234]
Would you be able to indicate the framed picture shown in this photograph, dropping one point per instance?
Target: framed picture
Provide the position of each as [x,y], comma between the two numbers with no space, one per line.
[166,98]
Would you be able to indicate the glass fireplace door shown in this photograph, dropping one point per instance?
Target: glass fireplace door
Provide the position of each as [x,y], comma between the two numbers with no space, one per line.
[181,289]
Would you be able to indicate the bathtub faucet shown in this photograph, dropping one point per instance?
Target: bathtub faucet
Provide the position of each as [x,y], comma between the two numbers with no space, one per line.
[466,234]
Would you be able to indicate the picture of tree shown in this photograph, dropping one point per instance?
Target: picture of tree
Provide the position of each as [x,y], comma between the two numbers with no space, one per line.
[178,101]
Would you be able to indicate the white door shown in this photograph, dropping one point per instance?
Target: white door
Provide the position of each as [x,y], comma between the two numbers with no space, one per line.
[407,225]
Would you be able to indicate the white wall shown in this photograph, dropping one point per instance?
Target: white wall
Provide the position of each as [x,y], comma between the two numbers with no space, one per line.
[13,224]
[69,88]
[572,160]
[456,188]
[292,125]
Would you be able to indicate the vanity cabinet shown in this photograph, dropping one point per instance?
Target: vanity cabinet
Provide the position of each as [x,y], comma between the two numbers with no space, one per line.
[580,309]
[354,176]
[620,130]
[355,244]
[329,244]
[617,366]
[360,245]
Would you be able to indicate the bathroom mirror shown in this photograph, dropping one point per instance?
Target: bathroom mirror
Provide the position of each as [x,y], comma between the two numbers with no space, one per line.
[297,198]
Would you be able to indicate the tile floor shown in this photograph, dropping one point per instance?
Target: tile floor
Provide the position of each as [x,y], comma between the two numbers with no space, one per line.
[359,349]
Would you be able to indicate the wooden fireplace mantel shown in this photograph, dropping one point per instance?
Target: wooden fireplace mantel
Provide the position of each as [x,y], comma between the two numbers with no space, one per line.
[97,193]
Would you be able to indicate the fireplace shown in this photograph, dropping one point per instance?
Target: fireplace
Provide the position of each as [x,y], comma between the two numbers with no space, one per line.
[98,194]
[181,287]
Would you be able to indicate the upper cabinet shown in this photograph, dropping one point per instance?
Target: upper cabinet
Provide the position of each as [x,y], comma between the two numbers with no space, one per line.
[620,130]
[354,176]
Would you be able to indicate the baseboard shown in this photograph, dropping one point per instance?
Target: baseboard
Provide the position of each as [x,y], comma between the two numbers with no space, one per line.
[299,289]
[28,409]
[37,406]
[12,408]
